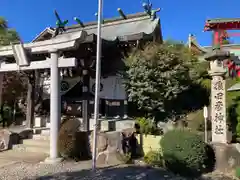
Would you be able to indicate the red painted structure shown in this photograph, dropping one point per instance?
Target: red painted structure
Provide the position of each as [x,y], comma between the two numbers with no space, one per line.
[219,28]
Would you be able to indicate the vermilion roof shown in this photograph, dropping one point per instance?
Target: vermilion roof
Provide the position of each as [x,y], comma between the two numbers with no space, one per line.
[222,23]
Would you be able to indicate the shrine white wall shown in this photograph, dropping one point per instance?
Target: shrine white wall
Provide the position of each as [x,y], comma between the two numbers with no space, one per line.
[112,88]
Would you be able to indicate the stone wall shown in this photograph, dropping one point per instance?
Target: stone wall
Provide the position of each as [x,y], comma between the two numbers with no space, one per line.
[112,124]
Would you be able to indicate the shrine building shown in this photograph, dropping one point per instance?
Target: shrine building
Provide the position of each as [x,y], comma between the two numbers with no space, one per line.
[68,55]
[119,35]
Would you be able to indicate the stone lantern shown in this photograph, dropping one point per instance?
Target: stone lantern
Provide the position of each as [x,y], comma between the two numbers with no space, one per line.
[220,133]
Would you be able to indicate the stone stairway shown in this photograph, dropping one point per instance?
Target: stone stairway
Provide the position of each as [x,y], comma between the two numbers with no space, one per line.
[38,143]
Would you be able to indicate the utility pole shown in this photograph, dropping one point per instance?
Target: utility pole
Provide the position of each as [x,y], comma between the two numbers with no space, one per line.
[97,86]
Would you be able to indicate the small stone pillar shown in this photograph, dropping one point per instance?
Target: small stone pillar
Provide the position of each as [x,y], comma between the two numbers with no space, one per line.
[218,95]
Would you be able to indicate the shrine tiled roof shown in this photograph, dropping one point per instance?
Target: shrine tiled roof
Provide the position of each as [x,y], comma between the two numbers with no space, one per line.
[134,27]
[222,20]
[235,87]
[192,43]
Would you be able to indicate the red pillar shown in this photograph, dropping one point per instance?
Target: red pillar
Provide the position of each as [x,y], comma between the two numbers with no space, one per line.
[216,38]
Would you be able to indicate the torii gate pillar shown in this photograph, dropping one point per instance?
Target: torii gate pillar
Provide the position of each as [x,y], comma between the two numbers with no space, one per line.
[55,110]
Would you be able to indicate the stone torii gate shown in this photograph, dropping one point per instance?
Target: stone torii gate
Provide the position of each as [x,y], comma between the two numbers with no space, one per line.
[53,47]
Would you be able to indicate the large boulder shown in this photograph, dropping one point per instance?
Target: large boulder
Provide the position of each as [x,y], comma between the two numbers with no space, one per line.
[129,142]
[108,147]
[115,147]
[72,143]
[227,156]
[7,139]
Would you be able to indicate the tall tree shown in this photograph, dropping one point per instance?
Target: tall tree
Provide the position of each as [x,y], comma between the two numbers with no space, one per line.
[14,83]
[7,35]
[159,73]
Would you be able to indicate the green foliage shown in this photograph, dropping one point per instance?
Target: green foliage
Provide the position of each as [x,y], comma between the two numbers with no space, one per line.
[147,126]
[154,158]
[14,84]
[237,172]
[195,118]
[7,35]
[184,152]
[158,74]
[234,116]
[233,108]
[226,41]
[202,68]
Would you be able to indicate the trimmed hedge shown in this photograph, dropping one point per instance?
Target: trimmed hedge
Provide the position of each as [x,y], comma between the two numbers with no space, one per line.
[184,152]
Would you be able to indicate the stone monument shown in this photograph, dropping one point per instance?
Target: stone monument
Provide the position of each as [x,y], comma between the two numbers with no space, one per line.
[218,93]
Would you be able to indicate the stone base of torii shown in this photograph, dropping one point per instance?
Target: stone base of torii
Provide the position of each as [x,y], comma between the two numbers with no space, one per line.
[53,47]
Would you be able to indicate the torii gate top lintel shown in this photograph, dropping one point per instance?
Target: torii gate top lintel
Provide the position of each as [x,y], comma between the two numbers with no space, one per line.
[59,43]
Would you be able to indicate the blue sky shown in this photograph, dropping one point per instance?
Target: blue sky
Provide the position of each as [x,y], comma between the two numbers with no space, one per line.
[178,18]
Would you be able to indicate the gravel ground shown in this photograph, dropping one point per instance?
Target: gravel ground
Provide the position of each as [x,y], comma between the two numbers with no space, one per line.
[81,171]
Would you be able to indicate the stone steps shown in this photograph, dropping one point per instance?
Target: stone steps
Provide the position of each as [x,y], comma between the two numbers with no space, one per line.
[41,137]
[40,130]
[27,148]
[28,157]
[39,143]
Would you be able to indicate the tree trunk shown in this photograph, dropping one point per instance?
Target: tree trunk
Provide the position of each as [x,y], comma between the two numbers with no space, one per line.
[30,100]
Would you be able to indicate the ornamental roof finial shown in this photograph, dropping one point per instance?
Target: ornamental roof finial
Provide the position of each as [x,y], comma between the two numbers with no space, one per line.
[60,24]
[151,12]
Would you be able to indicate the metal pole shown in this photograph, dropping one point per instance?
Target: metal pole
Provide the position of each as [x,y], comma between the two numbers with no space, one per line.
[205,115]
[97,85]
[205,131]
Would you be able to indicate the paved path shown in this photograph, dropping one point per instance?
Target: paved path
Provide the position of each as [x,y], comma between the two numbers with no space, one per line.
[12,157]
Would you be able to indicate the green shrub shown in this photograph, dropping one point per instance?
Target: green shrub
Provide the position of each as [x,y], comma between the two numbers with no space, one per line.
[237,172]
[125,158]
[73,144]
[184,152]
[154,158]
[147,126]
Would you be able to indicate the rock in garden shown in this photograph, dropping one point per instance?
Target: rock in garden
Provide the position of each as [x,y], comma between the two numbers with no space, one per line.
[25,134]
[129,141]
[109,147]
[227,156]
[7,139]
